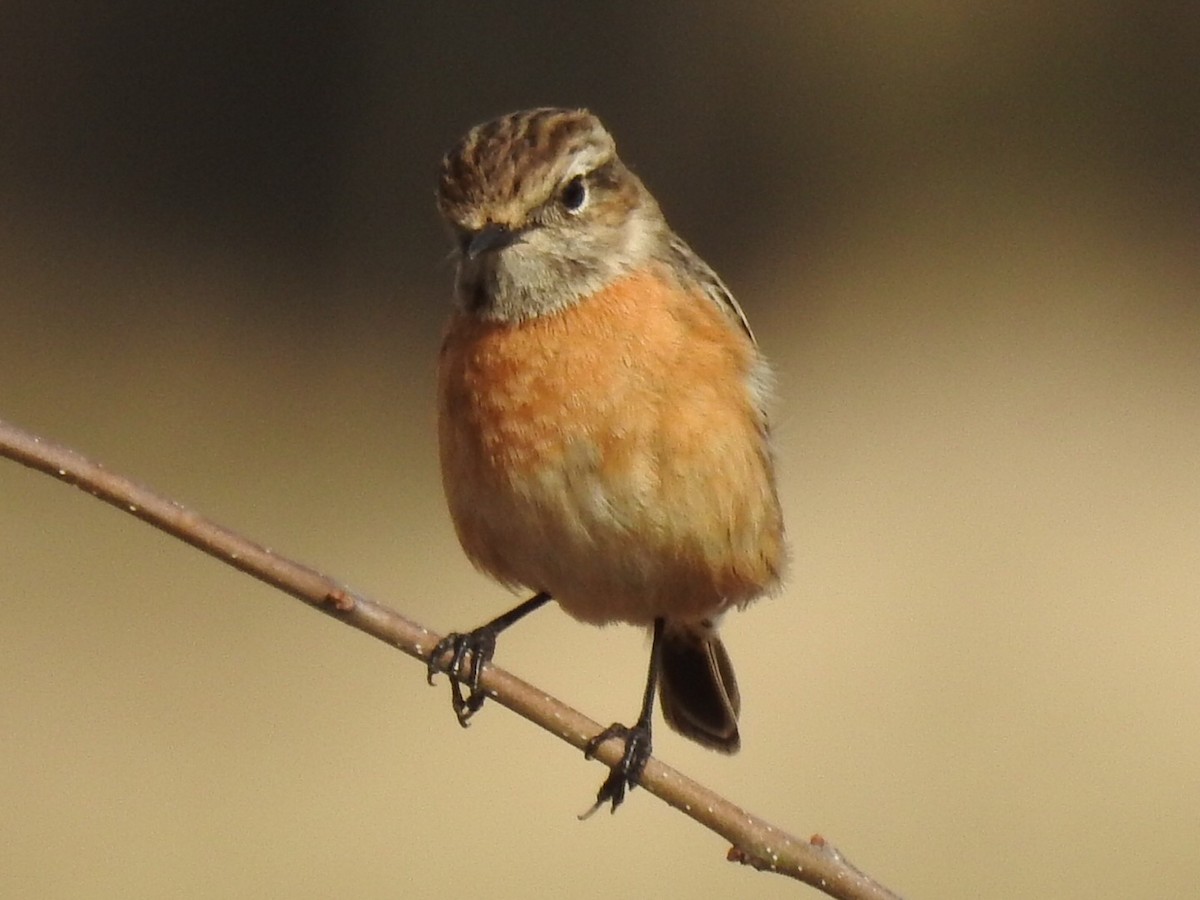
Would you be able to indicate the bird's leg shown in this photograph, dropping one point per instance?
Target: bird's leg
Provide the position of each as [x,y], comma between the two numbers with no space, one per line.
[628,770]
[469,653]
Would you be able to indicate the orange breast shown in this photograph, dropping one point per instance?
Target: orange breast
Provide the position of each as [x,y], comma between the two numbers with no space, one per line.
[612,454]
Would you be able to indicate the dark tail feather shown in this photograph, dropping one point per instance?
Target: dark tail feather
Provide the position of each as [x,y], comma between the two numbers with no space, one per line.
[696,687]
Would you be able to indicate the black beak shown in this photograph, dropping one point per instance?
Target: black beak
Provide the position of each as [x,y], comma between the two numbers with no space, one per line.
[489,238]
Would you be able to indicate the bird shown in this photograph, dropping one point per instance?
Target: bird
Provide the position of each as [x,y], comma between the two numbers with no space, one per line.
[603,426]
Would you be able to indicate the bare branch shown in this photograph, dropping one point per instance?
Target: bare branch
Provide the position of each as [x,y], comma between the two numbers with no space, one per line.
[755,842]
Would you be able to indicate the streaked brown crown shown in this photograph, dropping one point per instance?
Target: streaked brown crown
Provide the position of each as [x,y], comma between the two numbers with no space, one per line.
[504,167]
[545,213]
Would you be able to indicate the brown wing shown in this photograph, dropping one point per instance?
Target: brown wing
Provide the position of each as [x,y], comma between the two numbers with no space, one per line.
[710,283]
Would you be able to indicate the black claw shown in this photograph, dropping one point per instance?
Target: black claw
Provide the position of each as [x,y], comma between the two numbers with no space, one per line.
[470,652]
[625,774]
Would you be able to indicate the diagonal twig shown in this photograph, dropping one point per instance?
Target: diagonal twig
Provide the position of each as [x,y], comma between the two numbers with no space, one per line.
[754,842]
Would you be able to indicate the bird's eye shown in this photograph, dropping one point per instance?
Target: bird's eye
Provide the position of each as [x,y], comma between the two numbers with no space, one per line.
[574,194]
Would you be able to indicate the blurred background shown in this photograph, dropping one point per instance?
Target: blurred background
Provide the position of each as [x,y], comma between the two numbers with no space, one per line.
[967,238]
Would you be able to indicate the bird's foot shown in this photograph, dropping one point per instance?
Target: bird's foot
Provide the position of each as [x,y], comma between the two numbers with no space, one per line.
[469,653]
[628,770]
